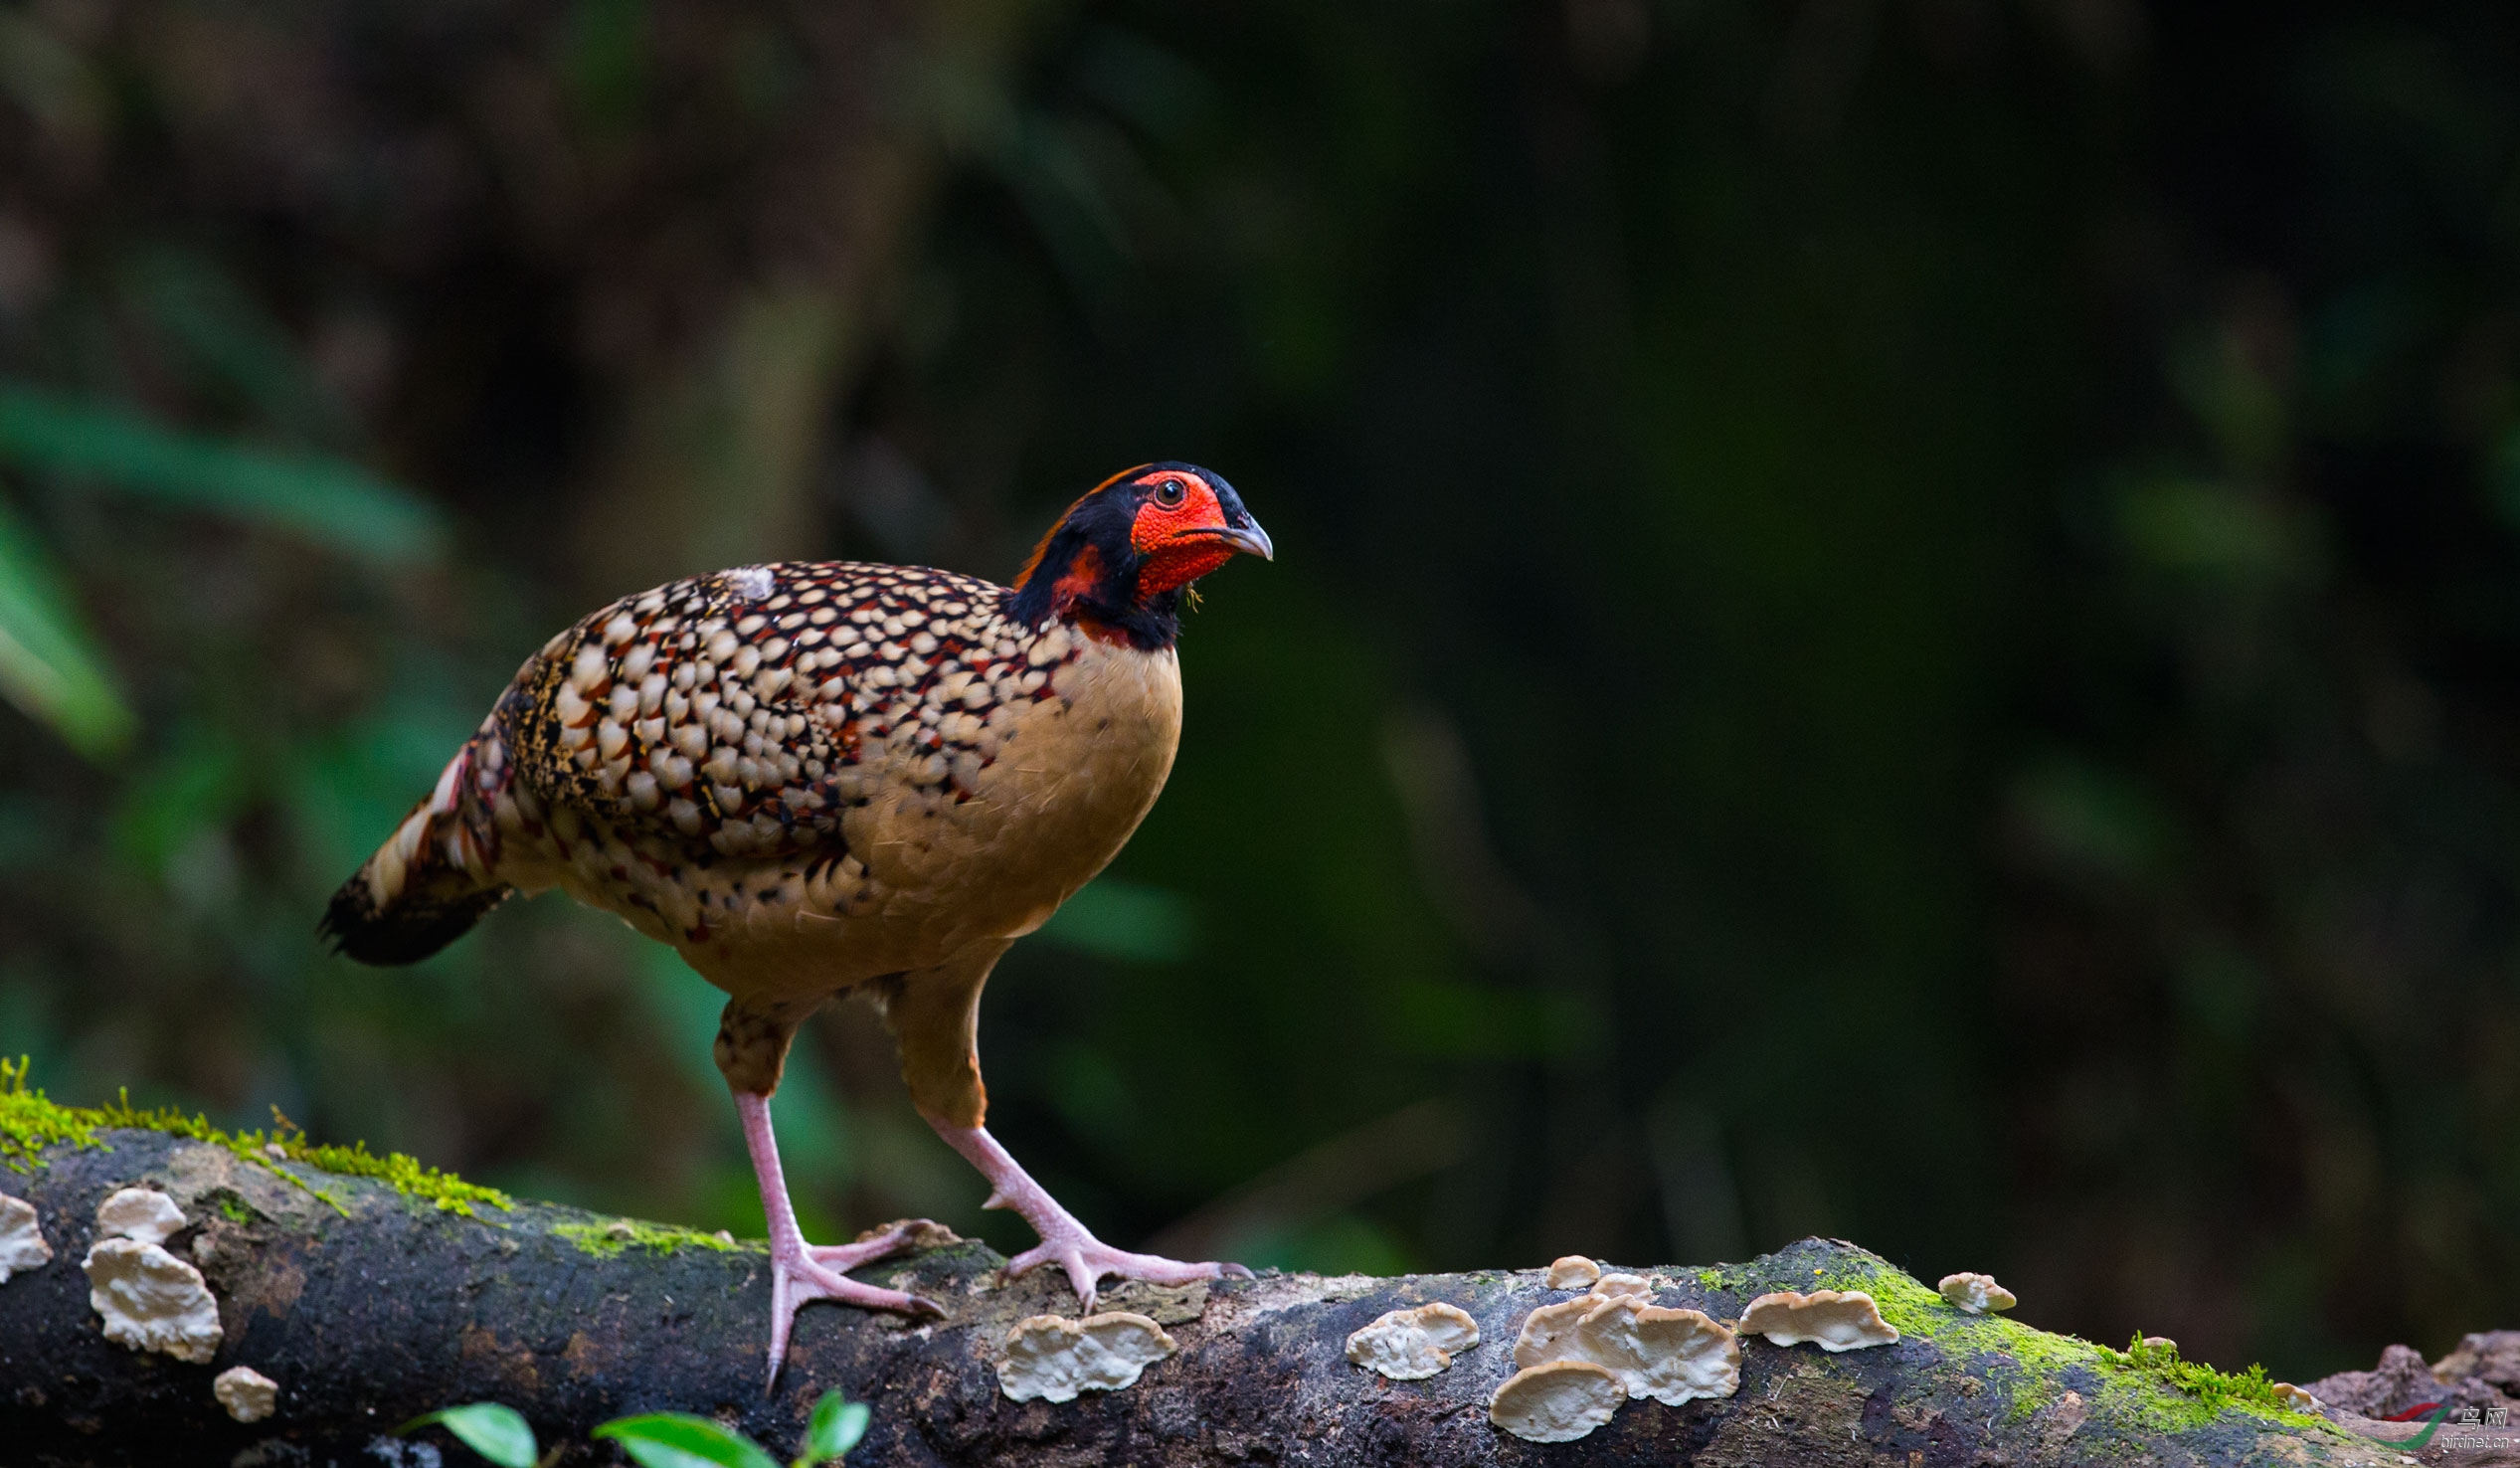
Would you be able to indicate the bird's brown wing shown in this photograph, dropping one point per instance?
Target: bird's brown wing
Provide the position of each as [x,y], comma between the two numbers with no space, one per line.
[745,712]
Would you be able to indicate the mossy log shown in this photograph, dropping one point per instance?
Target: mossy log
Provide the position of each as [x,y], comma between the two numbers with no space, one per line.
[370,1306]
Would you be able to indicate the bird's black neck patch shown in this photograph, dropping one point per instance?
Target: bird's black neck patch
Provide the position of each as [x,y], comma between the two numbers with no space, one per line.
[1087,572]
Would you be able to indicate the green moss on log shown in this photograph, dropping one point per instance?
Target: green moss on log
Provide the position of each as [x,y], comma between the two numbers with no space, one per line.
[2147,1386]
[30,1122]
[606,1240]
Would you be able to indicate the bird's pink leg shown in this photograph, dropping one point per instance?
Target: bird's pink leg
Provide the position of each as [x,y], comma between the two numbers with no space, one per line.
[1064,1241]
[798,1271]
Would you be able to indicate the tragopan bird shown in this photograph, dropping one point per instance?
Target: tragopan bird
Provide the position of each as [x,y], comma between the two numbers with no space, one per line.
[812,777]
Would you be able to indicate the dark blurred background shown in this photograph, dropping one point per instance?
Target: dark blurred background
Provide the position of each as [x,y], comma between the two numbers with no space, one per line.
[1894,618]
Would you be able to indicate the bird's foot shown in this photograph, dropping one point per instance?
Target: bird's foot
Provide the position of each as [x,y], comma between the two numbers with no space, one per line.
[796,1277]
[1087,1259]
[799,1272]
[1064,1241]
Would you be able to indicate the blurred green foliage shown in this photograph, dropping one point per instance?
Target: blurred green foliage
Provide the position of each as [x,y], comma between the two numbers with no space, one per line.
[1894,620]
[48,663]
[331,504]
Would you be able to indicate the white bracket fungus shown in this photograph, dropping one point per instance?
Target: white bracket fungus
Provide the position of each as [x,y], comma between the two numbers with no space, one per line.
[1579,1359]
[139,1213]
[1546,1329]
[22,1246]
[1573,1273]
[1976,1294]
[1828,1319]
[2298,1399]
[1556,1401]
[151,1300]
[1054,1359]
[1412,1344]
[247,1393]
[1542,1328]
[1670,1356]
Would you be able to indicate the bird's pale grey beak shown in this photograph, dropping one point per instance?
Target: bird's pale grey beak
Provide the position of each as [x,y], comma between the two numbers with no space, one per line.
[1246,537]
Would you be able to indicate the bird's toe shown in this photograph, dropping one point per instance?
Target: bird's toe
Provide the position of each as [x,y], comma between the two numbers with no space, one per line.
[891,1239]
[1087,1260]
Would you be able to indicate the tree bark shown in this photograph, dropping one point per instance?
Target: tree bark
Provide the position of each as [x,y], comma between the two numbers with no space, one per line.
[385,1307]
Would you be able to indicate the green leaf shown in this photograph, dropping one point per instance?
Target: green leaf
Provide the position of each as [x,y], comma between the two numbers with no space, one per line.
[836,1426]
[682,1440]
[326,500]
[498,1433]
[48,665]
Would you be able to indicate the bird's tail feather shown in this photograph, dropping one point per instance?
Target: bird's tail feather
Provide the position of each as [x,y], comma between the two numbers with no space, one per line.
[423,888]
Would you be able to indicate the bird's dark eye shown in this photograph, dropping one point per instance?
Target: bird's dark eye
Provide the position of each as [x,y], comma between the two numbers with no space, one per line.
[1171,494]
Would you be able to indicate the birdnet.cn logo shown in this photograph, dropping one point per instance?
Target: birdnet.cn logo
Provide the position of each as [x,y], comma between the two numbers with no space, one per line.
[2468,1425]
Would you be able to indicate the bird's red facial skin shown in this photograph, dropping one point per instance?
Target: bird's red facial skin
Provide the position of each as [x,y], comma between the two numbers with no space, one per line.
[1171,559]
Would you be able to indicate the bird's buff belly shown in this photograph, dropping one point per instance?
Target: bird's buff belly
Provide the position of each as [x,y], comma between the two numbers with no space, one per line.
[928,871]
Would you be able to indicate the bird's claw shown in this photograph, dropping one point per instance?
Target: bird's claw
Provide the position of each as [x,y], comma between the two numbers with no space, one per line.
[1086,1259]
